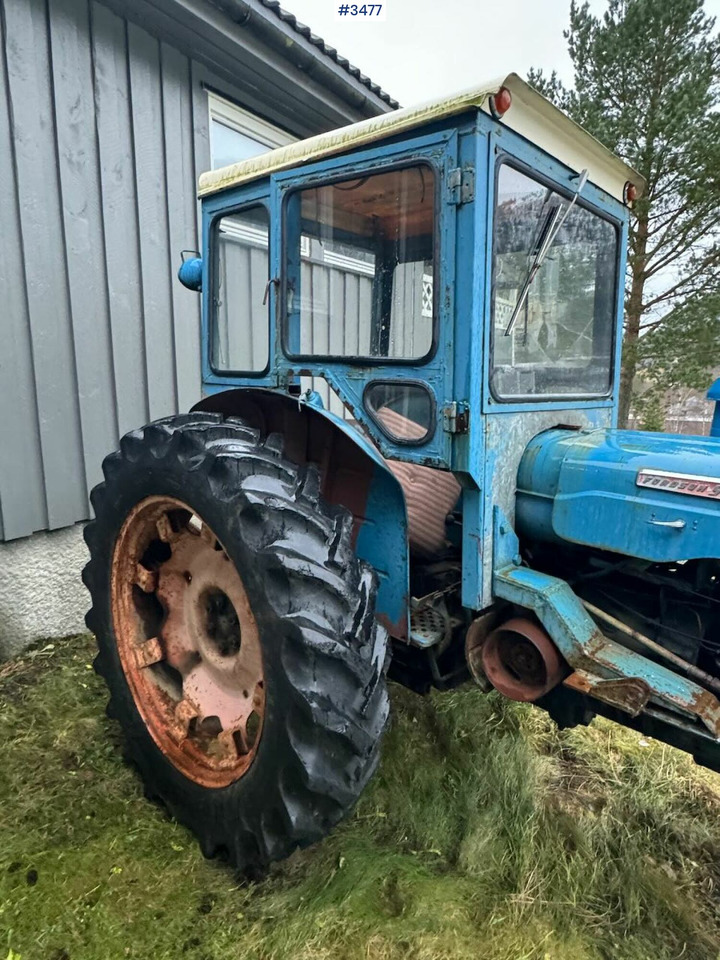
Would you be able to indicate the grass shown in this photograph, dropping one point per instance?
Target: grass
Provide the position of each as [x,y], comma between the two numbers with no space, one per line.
[487,834]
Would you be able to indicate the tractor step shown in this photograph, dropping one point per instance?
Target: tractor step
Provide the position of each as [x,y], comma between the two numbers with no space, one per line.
[430,622]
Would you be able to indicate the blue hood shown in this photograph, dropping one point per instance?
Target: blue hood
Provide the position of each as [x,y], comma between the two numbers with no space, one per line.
[649,495]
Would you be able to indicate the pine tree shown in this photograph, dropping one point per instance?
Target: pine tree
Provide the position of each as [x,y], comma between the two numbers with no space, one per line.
[647,85]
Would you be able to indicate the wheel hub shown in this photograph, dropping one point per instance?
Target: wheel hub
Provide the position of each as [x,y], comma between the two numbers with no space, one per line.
[222,625]
[188,641]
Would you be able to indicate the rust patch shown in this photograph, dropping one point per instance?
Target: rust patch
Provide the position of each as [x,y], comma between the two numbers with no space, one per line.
[396,630]
[521,661]
[626,693]
[474,639]
[188,641]
[707,707]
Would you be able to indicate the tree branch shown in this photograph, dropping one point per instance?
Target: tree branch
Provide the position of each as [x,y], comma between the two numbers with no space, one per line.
[677,289]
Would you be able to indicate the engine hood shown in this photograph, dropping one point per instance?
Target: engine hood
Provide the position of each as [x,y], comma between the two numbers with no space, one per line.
[647,495]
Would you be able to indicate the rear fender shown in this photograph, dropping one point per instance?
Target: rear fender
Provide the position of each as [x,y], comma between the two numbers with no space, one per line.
[353,474]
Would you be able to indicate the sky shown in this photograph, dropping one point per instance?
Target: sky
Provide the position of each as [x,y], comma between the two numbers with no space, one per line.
[427,48]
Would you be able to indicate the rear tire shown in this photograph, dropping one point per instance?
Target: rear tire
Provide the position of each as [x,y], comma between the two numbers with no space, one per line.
[323,696]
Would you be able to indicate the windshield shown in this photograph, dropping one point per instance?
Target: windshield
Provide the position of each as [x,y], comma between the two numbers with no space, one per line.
[560,343]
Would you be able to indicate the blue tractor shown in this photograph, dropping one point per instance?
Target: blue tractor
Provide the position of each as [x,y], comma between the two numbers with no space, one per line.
[406,462]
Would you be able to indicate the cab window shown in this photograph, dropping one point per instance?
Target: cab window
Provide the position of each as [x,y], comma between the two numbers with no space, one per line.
[240,332]
[554,293]
[359,267]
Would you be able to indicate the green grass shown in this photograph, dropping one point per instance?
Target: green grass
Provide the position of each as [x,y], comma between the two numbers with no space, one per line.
[487,834]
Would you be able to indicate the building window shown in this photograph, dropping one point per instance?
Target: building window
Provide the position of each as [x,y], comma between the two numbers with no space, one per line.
[236,134]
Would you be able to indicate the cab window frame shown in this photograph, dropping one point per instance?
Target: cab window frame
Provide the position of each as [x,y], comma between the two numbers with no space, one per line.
[214,281]
[507,159]
[312,181]
[404,382]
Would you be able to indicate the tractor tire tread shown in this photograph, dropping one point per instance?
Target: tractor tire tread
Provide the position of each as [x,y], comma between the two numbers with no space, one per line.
[333,663]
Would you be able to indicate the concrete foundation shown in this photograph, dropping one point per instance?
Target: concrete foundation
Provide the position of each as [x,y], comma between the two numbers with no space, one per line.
[41,593]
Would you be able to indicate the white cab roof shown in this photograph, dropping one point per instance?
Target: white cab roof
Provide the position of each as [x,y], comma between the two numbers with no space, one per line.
[531,115]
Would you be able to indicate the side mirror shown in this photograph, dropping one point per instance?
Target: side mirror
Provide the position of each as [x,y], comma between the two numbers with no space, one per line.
[191,268]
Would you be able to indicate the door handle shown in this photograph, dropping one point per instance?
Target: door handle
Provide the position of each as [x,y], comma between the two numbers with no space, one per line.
[672,524]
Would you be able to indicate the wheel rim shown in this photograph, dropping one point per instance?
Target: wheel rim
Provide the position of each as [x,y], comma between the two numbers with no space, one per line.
[188,641]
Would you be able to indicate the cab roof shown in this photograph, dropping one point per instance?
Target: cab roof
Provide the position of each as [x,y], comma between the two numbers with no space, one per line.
[531,115]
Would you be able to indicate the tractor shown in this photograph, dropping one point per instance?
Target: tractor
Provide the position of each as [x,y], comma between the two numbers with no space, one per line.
[405,464]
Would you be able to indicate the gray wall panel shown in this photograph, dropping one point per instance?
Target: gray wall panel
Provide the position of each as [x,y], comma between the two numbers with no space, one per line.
[104,129]
[201,122]
[83,226]
[43,246]
[182,226]
[122,251]
[148,139]
[22,496]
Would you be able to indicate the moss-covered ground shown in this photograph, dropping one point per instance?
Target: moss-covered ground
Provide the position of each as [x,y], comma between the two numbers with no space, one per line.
[487,834]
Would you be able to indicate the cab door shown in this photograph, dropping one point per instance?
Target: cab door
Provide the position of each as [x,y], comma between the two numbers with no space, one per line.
[366,295]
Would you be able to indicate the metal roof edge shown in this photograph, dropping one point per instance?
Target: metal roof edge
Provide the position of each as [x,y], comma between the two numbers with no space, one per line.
[297,43]
[329,51]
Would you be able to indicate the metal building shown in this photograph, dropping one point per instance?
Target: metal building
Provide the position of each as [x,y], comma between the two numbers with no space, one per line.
[108,113]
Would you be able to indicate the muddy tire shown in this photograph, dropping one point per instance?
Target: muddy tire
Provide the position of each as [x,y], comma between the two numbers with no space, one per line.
[219,575]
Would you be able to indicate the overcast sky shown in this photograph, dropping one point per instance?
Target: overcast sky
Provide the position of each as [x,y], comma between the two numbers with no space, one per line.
[427,48]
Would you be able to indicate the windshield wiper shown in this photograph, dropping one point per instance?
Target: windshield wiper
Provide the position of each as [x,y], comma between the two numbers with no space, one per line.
[554,220]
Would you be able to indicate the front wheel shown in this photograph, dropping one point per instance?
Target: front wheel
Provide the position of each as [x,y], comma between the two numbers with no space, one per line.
[237,636]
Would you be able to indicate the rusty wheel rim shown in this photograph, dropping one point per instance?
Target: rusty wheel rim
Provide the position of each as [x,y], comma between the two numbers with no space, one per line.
[188,641]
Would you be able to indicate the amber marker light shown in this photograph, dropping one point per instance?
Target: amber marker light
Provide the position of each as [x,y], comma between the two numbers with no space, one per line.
[630,193]
[500,102]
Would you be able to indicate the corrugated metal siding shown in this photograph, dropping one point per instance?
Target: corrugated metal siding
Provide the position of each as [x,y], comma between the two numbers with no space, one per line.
[103,130]
[335,311]
[243,341]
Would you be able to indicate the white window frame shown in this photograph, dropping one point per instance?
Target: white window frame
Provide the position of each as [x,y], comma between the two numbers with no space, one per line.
[235,117]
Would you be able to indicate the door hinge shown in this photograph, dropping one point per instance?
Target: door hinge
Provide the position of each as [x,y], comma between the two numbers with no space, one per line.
[456,417]
[461,185]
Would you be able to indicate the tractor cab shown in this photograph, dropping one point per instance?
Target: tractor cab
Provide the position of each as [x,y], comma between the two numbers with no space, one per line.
[446,279]
[406,459]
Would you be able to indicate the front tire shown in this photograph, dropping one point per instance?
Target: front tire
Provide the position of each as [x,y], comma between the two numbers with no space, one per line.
[237,636]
